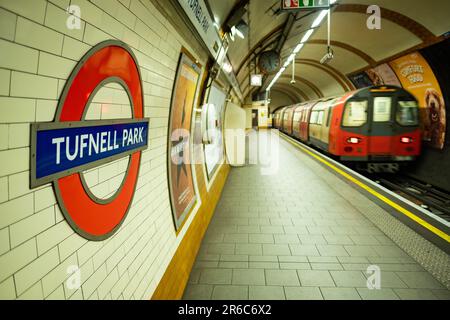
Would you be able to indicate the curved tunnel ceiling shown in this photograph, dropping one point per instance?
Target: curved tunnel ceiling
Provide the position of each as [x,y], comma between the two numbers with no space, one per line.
[406,25]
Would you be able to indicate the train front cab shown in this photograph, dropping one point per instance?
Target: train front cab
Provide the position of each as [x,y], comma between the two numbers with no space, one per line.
[378,125]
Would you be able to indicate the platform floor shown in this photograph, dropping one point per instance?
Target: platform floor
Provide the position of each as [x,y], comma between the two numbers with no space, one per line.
[295,235]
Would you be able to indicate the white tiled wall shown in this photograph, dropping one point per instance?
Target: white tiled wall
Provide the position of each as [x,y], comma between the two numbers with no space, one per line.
[37,54]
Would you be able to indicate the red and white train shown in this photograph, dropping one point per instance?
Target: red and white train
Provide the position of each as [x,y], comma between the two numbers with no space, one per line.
[378,126]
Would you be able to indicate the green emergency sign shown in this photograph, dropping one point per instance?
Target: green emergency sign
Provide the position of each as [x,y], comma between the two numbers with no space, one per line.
[304,4]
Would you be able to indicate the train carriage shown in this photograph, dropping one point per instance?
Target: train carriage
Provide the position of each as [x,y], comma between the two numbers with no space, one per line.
[287,120]
[375,125]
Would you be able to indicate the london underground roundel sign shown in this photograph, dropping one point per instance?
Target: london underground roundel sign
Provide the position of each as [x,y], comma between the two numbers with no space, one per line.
[63,149]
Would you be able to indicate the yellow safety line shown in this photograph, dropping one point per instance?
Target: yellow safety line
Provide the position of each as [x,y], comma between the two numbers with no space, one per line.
[407,213]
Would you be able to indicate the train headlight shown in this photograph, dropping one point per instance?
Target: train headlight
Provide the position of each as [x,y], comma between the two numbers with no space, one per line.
[354,140]
[406,140]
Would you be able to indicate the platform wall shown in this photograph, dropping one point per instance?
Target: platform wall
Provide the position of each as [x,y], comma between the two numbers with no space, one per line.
[434,165]
[37,54]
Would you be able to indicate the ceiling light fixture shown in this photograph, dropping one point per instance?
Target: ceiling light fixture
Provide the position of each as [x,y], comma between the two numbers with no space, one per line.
[307,35]
[227,67]
[299,47]
[319,18]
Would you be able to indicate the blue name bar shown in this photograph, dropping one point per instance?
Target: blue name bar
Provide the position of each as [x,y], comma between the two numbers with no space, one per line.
[61,149]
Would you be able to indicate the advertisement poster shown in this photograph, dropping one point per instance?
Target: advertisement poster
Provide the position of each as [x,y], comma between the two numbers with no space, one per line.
[383,75]
[378,76]
[213,122]
[181,183]
[418,78]
[361,80]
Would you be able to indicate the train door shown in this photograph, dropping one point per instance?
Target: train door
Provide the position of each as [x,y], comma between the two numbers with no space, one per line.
[382,125]
[296,124]
[325,134]
[285,120]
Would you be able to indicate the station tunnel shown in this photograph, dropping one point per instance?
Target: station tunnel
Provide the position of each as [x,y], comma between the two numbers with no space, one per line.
[224,150]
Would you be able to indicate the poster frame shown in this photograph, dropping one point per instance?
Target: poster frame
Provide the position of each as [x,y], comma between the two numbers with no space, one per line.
[210,177]
[188,59]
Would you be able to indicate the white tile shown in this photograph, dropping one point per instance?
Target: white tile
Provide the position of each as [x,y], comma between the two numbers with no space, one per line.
[13,110]
[70,245]
[34,293]
[91,177]
[34,271]
[58,214]
[61,85]
[19,184]
[27,85]
[45,110]
[112,26]
[148,34]
[5,77]
[89,12]
[105,287]
[119,286]
[14,161]
[7,289]
[19,135]
[17,258]
[17,57]
[63,4]
[53,236]
[76,295]
[3,189]
[56,18]
[74,49]
[3,136]
[16,210]
[7,24]
[54,66]
[94,281]
[44,198]
[126,17]
[93,35]
[145,15]
[37,36]
[59,275]
[4,241]
[31,226]
[57,295]
[88,250]
[34,10]
[106,251]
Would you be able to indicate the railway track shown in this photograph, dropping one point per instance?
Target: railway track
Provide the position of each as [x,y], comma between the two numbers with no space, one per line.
[425,195]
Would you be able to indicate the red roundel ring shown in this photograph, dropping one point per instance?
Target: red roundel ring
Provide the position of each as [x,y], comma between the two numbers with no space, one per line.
[96,220]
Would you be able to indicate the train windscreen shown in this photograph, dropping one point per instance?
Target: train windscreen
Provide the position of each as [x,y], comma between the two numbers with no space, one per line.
[407,113]
[355,114]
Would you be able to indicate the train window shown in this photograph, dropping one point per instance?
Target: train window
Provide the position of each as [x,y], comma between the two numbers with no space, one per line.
[355,114]
[314,117]
[382,109]
[297,116]
[320,118]
[330,113]
[407,113]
